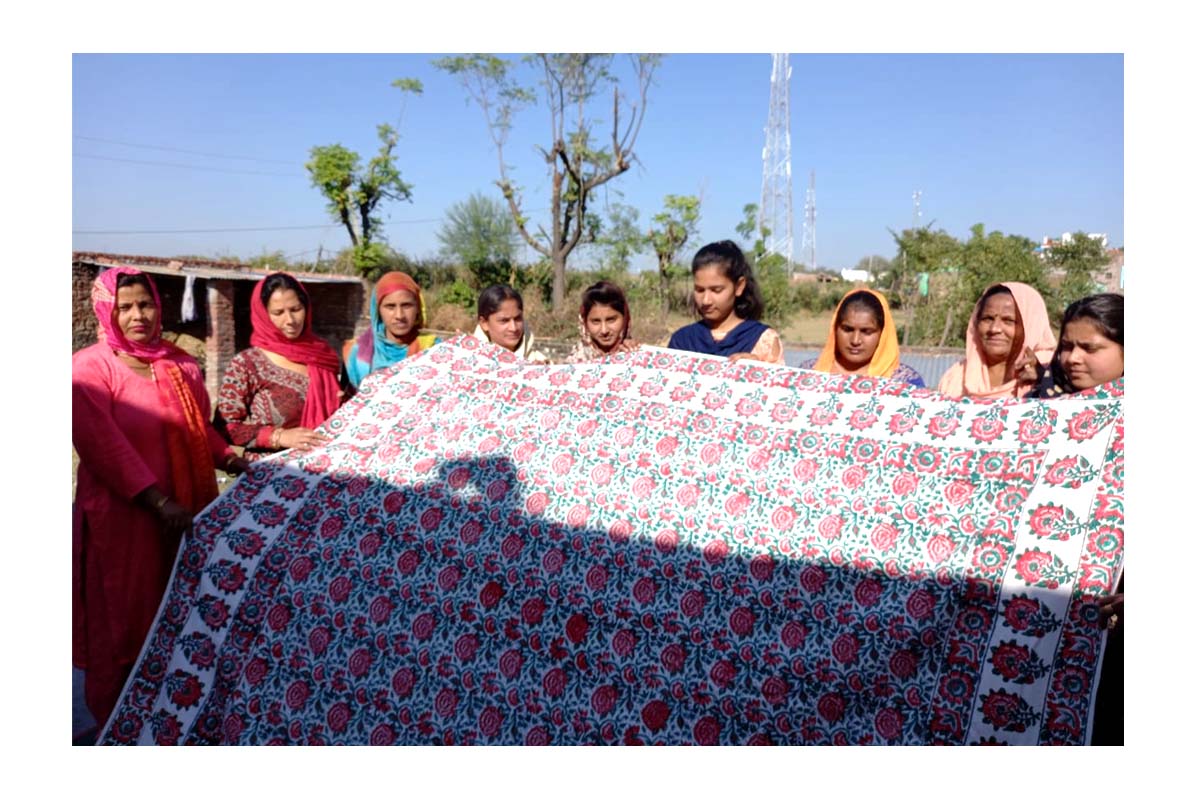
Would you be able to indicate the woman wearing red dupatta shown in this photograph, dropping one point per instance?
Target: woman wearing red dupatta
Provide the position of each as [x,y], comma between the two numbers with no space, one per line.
[139,418]
[274,394]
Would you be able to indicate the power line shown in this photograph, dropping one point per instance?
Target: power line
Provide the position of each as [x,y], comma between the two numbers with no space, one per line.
[188,166]
[181,150]
[217,230]
[250,230]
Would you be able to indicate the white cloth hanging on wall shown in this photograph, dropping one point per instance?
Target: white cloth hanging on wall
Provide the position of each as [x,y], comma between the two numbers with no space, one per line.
[188,312]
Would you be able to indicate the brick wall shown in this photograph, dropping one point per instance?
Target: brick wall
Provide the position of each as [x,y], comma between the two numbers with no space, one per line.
[83,319]
[220,337]
[337,311]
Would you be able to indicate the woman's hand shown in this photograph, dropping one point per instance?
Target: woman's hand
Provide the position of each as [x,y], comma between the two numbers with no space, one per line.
[300,438]
[739,356]
[1025,368]
[235,465]
[1112,606]
[174,517]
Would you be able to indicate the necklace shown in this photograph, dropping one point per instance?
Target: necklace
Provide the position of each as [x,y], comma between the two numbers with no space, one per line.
[137,365]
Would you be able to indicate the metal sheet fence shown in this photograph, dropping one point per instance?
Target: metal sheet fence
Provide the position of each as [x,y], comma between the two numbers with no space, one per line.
[930,362]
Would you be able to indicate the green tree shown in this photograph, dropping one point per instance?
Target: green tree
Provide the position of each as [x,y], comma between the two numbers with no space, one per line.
[753,233]
[919,251]
[479,232]
[620,239]
[1075,264]
[577,161]
[354,191]
[673,226]
[779,300]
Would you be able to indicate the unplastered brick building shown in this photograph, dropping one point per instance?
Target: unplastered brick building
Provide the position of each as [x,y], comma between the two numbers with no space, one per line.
[221,293]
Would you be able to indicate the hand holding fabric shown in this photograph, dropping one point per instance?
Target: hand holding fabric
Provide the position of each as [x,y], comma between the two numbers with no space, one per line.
[302,438]
[1112,610]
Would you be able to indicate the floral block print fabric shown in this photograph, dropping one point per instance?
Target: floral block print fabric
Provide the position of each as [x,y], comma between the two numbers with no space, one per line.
[660,548]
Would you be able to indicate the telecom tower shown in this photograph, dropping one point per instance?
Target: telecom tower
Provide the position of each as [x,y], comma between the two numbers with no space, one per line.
[776,213]
[808,244]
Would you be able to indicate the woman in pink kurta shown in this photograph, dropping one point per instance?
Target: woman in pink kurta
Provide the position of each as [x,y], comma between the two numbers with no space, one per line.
[146,454]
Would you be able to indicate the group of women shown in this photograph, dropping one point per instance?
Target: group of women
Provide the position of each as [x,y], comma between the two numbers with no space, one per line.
[148,442]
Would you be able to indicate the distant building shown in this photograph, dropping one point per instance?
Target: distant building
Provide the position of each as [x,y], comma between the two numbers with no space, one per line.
[1112,277]
[856,275]
[1049,244]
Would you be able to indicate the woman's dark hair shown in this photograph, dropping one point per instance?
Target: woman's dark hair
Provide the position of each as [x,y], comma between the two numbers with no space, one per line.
[862,300]
[491,298]
[1106,312]
[992,291]
[732,262]
[140,279]
[604,293]
[281,281]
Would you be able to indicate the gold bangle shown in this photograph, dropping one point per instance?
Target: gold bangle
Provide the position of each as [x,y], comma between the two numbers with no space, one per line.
[161,502]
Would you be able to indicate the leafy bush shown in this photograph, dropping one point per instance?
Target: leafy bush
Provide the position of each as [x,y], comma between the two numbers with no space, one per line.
[459,294]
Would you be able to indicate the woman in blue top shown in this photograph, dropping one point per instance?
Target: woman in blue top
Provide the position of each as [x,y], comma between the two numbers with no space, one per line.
[729,303]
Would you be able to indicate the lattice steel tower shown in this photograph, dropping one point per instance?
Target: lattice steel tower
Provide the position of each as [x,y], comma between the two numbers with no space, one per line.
[808,244]
[776,211]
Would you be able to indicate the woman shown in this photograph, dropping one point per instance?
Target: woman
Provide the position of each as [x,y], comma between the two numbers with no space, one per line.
[1009,344]
[397,316]
[1091,347]
[603,324]
[139,422]
[1091,352]
[275,393]
[862,341]
[501,313]
[728,300]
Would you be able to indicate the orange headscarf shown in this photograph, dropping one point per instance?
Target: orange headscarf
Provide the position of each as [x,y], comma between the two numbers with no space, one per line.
[887,352]
[969,377]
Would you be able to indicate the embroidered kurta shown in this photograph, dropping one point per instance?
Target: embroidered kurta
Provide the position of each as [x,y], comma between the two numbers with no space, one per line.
[256,397]
[121,556]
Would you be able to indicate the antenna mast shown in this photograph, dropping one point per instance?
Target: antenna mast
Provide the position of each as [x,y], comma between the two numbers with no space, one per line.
[808,245]
[776,213]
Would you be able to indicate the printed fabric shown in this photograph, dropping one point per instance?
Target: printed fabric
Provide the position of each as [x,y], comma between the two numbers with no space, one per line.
[659,548]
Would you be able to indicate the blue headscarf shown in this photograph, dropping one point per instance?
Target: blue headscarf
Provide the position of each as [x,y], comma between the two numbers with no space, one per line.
[374,350]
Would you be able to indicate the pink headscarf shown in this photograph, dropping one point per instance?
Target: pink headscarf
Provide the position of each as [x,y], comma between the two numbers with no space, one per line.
[969,377]
[104,303]
[308,349]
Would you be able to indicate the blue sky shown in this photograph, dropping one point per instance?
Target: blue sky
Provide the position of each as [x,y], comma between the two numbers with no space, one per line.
[1026,144]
